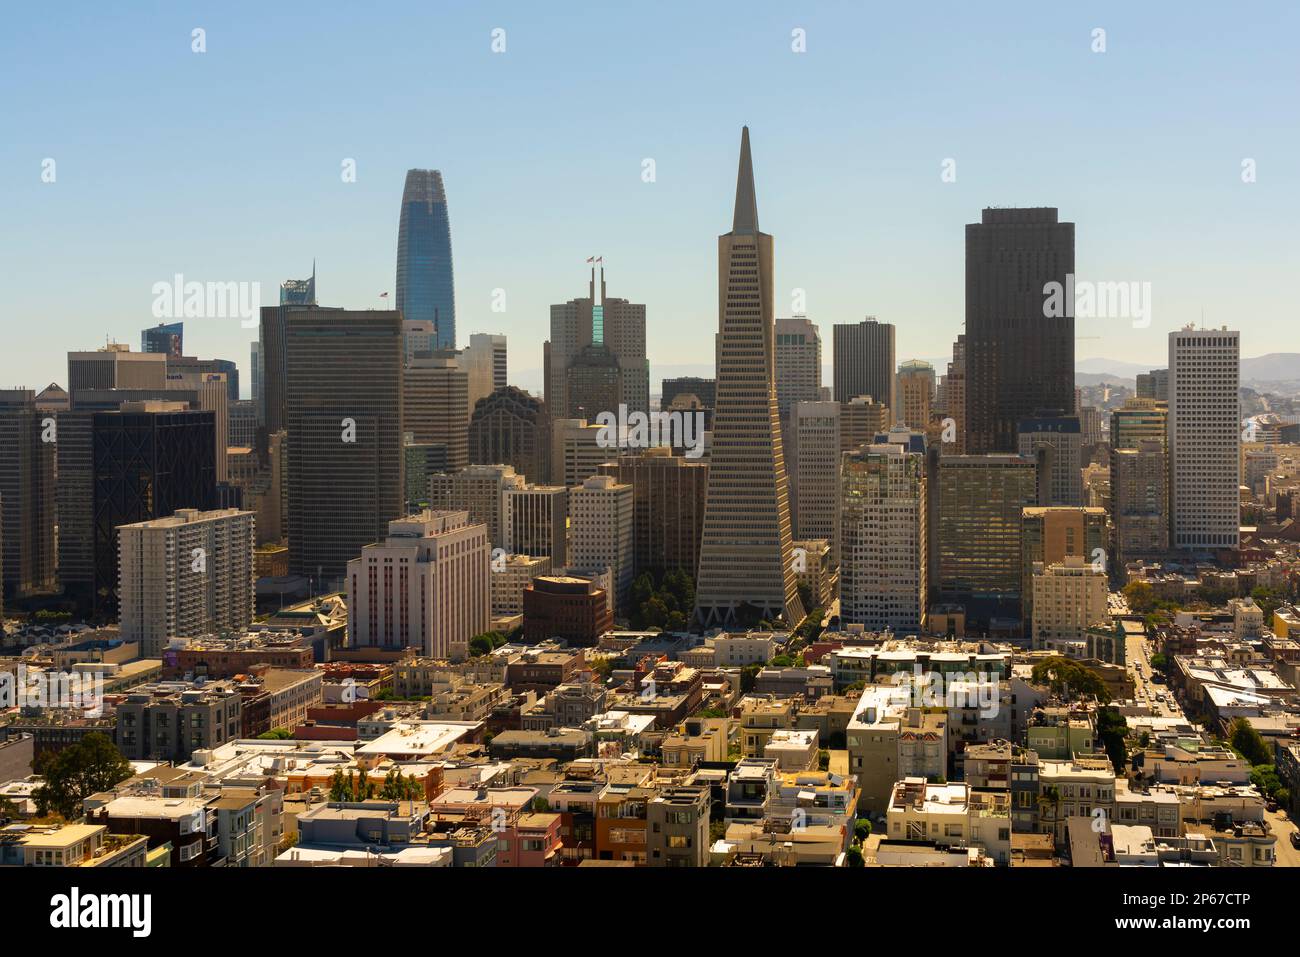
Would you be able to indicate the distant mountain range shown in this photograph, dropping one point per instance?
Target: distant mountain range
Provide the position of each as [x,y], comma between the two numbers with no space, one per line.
[1275,370]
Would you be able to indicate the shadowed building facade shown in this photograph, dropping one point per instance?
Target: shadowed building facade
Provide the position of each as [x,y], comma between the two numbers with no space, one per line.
[745,556]
[511,427]
[1018,358]
[344,417]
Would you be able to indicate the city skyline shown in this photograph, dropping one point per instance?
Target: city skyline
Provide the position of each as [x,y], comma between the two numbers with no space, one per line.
[872,227]
[950,524]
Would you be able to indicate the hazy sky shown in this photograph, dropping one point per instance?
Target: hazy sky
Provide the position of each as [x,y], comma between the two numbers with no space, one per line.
[226,165]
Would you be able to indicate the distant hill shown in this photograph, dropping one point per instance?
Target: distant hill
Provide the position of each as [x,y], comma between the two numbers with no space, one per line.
[1278,371]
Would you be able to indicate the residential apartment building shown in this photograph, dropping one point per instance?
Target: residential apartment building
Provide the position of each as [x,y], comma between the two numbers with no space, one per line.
[184,576]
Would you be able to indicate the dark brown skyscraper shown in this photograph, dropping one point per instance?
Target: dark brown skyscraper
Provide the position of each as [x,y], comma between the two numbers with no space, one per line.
[343,412]
[1018,359]
[511,427]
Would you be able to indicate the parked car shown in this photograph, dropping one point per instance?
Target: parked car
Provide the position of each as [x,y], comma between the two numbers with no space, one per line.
[1295,840]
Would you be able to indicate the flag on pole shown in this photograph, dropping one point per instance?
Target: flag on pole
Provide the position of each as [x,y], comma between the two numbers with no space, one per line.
[600,259]
[383,295]
[591,259]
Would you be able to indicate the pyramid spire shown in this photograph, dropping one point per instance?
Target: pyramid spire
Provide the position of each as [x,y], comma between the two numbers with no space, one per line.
[745,219]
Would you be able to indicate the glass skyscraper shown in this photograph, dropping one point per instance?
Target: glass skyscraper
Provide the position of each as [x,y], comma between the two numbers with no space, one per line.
[424,277]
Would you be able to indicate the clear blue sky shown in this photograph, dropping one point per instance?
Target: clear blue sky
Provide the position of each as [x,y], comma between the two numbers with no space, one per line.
[225,165]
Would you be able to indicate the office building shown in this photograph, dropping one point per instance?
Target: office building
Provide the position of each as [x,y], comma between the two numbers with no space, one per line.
[884,578]
[293,293]
[510,576]
[27,495]
[425,287]
[1019,355]
[914,390]
[511,427]
[535,521]
[343,405]
[184,576]
[745,568]
[1139,482]
[815,488]
[566,608]
[1060,436]
[425,586]
[1204,439]
[798,364]
[978,503]
[115,366]
[1137,421]
[578,450]
[479,490]
[864,361]
[167,338]
[211,394]
[593,383]
[484,360]
[435,405]
[954,400]
[706,390]
[616,327]
[601,524]
[862,418]
[1069,597]
[1153,385]
[1053,535]
[118,468]
[669,493]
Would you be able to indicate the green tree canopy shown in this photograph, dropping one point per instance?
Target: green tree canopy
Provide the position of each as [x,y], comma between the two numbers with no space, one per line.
[1070,679]
[1249,743]
[75,773]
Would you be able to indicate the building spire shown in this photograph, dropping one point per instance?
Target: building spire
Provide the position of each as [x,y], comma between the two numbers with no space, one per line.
[746,216]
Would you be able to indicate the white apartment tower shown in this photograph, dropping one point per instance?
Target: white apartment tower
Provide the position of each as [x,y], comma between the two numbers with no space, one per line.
[883,538]
[1204,438]
[184,576]
[424,586]
[600,532]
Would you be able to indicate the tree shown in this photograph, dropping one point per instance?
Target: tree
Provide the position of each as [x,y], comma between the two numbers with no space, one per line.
[77,772]
[1070,679]
[853,857]
[1141,597]
[1112,729]
[275,734]
[861,830]
[654,612]
[1249,743]
[351,787]
[8,810]
[485,643]
[398,787]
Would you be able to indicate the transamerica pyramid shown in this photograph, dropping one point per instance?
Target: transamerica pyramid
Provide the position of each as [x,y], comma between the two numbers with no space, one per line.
[746,570]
